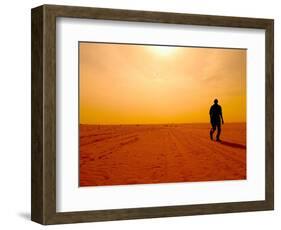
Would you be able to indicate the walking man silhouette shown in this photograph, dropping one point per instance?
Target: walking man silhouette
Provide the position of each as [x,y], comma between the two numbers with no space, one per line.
[216,120]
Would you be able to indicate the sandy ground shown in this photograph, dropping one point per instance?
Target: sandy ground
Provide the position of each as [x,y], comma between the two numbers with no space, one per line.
[144,154]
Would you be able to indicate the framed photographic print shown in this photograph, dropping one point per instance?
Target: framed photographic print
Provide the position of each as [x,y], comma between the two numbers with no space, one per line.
[139,114]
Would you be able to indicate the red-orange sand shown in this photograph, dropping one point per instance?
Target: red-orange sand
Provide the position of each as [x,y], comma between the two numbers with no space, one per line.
[144,154]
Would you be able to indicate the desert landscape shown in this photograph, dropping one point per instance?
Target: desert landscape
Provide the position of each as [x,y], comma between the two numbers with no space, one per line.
[145,154]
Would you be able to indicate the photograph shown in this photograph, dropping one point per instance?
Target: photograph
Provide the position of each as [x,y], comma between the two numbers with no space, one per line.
[140,114]
[152,114]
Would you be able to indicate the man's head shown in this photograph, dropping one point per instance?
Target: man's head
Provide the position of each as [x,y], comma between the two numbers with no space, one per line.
[216,101]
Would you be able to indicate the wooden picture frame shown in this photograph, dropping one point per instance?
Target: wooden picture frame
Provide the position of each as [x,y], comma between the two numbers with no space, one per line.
[43,188]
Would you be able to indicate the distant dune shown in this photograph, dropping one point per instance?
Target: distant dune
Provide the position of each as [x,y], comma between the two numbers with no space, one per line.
[145,154]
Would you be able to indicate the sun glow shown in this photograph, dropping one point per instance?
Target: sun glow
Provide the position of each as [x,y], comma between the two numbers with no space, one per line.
[140,84]
[163,50]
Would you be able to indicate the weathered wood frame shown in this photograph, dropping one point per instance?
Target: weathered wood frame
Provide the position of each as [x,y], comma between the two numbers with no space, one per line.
[43,160]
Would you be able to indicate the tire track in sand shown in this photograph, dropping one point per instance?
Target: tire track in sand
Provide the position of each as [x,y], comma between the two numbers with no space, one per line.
[206,161]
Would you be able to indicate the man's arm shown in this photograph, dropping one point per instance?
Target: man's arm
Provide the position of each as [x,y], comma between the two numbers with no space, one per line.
[222,121]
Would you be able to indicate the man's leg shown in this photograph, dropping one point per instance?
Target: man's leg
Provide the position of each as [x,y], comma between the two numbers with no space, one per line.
[218,132]
[213,129]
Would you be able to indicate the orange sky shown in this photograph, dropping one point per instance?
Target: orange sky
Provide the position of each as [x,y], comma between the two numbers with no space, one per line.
[137,84]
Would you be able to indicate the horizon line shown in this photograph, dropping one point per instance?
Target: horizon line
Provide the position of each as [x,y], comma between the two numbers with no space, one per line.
[235,122]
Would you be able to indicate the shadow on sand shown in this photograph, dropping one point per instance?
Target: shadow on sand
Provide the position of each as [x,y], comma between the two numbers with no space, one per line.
[233,145]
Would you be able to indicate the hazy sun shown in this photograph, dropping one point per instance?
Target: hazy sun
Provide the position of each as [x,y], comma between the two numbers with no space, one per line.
[163,50]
